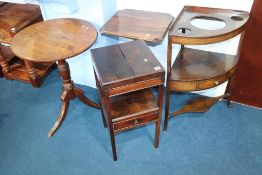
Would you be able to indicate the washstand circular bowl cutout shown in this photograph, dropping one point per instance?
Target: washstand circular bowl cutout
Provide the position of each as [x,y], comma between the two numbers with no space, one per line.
[207,23]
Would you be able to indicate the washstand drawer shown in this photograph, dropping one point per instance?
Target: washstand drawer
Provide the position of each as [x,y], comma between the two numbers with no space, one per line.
[137,121]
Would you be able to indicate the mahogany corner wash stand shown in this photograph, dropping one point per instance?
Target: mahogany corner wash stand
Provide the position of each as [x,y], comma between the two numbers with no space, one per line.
[124,75]
[57,40]
[195,70]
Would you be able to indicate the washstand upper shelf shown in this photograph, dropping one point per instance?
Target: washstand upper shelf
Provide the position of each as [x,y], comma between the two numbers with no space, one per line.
[197,69]
[185,33]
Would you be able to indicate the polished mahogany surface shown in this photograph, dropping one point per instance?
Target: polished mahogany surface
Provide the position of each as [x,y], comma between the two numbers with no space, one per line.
[183,32]
[54,40]
[138,24]
[197,65]
[125,63]
[197,69]
[128,105]
[15,17]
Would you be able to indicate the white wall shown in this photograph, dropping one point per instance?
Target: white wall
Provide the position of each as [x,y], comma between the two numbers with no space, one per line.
[99,11]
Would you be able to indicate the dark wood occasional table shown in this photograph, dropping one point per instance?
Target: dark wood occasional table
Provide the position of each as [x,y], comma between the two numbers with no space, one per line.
[138,24]
[57,40]
[124,75]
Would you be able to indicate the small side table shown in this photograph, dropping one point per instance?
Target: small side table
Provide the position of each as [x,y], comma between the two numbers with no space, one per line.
[124,75]
[56,40]
[138,24]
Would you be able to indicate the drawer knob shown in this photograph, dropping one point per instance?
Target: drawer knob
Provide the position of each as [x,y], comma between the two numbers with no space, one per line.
[216,82]
[135,122]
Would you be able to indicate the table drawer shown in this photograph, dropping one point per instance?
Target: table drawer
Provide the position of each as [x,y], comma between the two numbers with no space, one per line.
[137,121]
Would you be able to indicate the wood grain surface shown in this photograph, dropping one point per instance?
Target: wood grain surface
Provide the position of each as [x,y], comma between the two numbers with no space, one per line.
[16,16]
[125,64]
[198,70]
[54,40]
[183,32]
[138,24]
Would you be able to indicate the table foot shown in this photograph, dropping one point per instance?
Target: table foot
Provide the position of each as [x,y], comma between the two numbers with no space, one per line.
[80,95]
[69,92]
[228,99]
[60,118]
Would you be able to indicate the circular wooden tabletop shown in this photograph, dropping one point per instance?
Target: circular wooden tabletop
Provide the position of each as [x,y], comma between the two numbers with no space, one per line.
[54,40]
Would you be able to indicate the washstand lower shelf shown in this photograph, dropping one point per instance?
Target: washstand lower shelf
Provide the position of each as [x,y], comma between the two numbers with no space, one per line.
[133,109]
[195,70]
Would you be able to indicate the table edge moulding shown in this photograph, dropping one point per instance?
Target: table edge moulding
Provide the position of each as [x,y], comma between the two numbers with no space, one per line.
[57,40]
[195,70]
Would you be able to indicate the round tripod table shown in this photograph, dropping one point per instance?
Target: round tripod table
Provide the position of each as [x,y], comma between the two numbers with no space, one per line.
[56,40]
